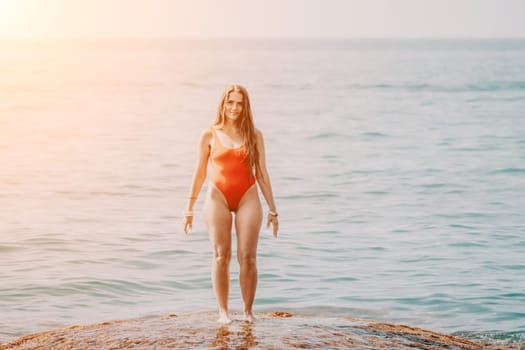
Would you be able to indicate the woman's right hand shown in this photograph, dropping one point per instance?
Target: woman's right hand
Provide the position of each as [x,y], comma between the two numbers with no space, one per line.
[188,222]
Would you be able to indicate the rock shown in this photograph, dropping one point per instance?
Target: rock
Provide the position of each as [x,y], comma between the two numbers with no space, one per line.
[277,330]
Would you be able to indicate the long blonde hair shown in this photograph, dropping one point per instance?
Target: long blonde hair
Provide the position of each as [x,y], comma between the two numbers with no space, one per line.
[246,126]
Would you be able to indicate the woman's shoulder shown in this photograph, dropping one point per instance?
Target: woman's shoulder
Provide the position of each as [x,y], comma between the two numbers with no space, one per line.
[206,134]
[258,134]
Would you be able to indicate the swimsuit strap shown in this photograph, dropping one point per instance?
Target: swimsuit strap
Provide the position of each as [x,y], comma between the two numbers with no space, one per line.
[217,140]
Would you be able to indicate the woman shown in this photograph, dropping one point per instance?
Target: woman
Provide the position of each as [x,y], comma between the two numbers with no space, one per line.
[236,151]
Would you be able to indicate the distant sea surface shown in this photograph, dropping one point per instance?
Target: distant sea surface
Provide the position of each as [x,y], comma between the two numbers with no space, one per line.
[398,168]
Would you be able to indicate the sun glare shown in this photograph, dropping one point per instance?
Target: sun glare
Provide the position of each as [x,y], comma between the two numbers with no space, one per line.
[10,17]
[7,8]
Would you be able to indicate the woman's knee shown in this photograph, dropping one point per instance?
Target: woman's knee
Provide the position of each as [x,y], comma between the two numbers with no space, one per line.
[247,259]
[222,256]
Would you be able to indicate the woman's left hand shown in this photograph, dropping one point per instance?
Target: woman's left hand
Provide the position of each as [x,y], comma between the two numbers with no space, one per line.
[272,219]
[188,223]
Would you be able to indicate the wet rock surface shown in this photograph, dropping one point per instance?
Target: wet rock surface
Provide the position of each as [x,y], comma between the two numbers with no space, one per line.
[277,330]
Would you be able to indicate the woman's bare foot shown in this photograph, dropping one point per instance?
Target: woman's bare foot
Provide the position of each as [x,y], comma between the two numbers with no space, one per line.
[224,318]
[248,317]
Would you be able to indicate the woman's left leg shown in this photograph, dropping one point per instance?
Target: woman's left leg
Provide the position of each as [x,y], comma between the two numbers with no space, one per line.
[248,219]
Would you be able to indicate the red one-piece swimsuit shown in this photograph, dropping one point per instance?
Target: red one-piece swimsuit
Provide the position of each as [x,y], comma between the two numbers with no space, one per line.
[232,174]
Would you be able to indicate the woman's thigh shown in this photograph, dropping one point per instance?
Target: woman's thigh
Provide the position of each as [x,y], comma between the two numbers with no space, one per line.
[248,219]
[218,219]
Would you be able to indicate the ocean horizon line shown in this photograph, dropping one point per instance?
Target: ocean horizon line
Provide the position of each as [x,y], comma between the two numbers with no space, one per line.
[273,38]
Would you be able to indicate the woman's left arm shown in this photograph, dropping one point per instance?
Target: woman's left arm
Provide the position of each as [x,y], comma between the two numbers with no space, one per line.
[263,178]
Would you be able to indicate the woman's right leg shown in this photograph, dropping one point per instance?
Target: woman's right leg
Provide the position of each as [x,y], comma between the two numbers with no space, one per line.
[218,219]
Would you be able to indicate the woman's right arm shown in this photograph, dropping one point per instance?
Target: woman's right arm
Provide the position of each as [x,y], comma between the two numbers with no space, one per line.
[199,176]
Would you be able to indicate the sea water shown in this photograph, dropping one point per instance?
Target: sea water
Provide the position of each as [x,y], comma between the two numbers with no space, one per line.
[398,169]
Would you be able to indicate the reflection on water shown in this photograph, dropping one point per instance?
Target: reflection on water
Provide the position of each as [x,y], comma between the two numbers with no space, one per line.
[222,337]
[242,337]
[247,336]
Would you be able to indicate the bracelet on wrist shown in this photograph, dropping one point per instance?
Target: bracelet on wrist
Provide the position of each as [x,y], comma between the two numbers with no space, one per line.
[273,213]
[187,213]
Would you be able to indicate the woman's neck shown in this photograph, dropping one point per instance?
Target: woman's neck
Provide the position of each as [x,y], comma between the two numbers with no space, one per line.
[230,126]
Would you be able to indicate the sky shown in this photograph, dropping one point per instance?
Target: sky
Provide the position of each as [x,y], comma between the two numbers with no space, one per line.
[262,18]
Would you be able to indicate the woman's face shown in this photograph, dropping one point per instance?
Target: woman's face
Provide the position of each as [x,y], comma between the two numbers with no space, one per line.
[233,106]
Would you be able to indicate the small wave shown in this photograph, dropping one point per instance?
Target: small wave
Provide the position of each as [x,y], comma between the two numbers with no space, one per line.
[291,86]
[469,149]
[502,337]
[462,215]
[170,165]
[167,253]
[339,279]
[103,288]
[8,248]
[374,134]
[108,193]
[508,171]
[496,86]
[455,192]
[512,295]
[133,187]
[292,178]
[513,267]
[492,86]
[462,226]
[366,171]
[45,241]
[434,185]
[377,192]
[384,86]
[311,196]
[325,135]
[425,259]
[466,244]
[483,98]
